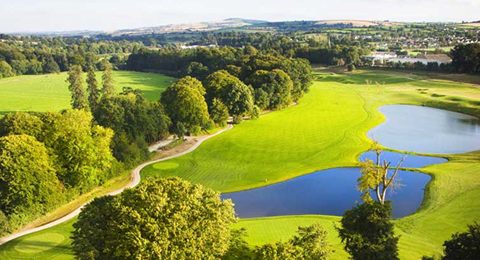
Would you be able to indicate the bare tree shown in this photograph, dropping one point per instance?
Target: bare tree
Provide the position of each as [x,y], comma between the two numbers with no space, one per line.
[375,176]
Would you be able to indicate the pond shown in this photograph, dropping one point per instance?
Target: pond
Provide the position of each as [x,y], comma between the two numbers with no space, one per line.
[327,192]
[427,130]
[411,161]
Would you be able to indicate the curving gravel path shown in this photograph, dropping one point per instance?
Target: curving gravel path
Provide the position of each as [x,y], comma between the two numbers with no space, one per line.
[134,181]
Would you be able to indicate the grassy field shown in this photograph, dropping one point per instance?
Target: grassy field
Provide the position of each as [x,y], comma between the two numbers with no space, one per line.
[50,92]
[326,129]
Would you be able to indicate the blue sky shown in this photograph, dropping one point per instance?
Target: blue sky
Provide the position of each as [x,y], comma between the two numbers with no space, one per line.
[61,15]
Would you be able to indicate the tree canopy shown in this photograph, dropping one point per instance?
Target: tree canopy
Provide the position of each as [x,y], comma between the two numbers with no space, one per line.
[367,231]
[463,246]
[275,84]
[186,222]
[27,177]
[184,103]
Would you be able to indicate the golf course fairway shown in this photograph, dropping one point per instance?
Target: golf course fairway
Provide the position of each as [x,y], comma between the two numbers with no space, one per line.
[327,129]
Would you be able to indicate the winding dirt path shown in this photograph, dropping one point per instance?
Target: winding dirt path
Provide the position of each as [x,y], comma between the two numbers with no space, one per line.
[135,179]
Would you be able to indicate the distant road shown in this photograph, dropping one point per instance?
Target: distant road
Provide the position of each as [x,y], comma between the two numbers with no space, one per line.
[135,179]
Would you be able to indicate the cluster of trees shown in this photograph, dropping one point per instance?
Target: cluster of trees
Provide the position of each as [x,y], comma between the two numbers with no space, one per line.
[136,122]
[430,66]
[335,55]
[223,82]
[48,158]
[38,55]
[466,58]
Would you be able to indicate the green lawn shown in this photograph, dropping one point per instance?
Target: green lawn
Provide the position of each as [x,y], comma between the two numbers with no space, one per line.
[50,92]
[52,244]
[325,130]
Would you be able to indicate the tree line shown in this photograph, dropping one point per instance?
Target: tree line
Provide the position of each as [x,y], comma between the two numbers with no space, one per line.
[38,55]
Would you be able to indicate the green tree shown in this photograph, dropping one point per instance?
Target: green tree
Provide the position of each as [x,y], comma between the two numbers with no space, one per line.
[92,89]
[277,251]
[187,222]
[310,243]
[50,66]
[463,246]
[238,249]
[5,70]
[79,96]
[107,80]
[218,112]
[179,130]
[27,179]
[368,233]
[239,99]
[313,242]
[184,103]
[82,150]
[196,70]
[277,86]
[218,84]
[20,123]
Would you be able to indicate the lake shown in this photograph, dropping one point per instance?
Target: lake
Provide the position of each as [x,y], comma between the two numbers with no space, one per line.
[427,130]
[328,192]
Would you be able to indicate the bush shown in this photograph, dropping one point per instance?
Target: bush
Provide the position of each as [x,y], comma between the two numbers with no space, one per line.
[237,119]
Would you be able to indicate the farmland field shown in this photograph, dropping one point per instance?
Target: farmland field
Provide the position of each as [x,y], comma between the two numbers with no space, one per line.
[326,129]
[50,92]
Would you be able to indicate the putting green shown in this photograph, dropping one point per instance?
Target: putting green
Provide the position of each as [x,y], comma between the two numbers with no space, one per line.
[166,166]
[325,130]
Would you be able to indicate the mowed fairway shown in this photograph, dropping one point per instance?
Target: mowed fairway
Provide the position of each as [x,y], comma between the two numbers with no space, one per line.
[325,130]
[50,92]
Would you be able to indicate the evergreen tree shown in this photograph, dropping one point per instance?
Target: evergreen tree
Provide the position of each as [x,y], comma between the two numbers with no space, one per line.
[93,90]
[79,96]
[108,89]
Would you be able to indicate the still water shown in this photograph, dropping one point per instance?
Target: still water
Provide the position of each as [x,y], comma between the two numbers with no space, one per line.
[427,130]
[328,192]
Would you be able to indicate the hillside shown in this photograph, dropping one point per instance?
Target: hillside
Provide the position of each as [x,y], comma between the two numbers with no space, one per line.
[190,27]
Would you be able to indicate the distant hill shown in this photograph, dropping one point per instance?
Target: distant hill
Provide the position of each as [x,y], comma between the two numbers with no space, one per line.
[358,23]
[190,27]
[474,24]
